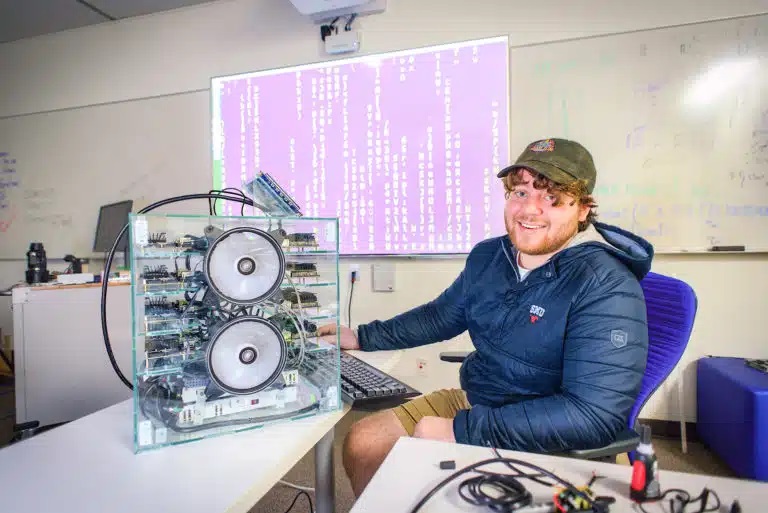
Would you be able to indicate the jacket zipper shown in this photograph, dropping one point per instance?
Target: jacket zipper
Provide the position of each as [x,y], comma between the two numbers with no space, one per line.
[514,267]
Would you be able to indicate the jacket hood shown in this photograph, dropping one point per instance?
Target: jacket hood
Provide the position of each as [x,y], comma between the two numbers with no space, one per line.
[634,251]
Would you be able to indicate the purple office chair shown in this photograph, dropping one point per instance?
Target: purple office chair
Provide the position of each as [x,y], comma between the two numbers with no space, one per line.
[671,309]
[671,306]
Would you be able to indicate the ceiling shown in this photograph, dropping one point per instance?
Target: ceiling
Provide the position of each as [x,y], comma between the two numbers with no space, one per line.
[28,18]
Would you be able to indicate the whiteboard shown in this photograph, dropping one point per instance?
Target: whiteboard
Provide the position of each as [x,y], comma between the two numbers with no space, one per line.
[69,163]
[676,120]
[685,178]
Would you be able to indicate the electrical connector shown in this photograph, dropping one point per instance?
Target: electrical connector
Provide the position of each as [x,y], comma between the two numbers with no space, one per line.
[354,276]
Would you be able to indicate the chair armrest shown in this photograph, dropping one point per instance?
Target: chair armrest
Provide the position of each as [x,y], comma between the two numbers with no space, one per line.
[33,424]
[626,441]
[454,356]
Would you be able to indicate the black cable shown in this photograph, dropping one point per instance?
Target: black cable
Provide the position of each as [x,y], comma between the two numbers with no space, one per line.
[348,26]
[96,9]
[238,192]
[349,308]
[212,202]
[301,492]
[104,282]
[508,494]
[684,498]
[519,473]
[589,501]
[331,28]
[233,190]
[111,255]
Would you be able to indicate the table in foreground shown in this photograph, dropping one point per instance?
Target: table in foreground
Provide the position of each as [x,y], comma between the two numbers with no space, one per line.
[412,469]
[88,465]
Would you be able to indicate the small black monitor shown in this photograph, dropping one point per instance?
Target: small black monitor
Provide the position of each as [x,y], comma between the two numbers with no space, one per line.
[112,219]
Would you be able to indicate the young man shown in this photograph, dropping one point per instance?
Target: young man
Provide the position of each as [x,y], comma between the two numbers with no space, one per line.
[555,312]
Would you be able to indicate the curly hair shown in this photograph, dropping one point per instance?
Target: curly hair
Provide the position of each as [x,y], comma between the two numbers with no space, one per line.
[576,190]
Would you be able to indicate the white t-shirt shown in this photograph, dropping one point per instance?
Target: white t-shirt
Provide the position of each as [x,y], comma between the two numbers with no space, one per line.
[522,270]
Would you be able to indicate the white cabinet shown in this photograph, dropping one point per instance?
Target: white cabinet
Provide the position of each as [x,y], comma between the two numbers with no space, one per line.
[62,368]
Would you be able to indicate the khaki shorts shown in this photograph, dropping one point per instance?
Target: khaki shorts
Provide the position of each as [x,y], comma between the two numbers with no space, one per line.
[442,403]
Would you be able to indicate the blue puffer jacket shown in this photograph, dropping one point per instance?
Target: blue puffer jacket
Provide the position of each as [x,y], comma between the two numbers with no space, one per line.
[559,357]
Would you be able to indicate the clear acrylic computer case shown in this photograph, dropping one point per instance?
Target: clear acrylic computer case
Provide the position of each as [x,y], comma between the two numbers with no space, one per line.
[225,313]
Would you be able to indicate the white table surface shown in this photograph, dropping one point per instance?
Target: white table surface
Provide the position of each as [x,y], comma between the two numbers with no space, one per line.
[88,465]
[411,470]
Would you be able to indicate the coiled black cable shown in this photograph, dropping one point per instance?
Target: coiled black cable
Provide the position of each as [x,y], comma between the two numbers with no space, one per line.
[499,492]
[110,256]
[597,504]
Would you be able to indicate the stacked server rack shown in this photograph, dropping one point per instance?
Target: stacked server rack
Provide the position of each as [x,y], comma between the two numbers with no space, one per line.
[225,318]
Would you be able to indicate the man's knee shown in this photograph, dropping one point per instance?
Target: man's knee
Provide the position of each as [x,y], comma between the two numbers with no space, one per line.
[372,436]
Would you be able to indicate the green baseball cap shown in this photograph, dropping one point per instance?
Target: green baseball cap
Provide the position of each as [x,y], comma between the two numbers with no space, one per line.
[560,160]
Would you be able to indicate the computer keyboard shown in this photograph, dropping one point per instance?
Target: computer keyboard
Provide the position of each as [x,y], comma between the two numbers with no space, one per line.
[759,364]
[365,387]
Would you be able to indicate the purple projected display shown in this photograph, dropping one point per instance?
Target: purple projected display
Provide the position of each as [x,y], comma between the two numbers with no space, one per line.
[402,147]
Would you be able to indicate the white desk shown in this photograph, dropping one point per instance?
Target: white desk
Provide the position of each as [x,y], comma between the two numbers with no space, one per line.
[411,470]
[88,465]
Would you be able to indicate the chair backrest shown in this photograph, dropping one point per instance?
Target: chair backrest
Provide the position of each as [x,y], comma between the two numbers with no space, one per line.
[671,308]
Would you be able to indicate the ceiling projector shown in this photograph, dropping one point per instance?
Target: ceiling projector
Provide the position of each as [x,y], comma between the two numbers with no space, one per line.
[323,10]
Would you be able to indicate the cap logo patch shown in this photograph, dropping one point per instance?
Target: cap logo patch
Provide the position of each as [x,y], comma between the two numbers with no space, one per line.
[545,145]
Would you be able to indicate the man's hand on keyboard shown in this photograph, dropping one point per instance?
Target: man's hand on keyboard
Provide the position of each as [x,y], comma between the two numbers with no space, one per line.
[347,336]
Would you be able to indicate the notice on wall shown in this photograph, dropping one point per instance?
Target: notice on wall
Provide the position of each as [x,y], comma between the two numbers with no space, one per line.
[9,181]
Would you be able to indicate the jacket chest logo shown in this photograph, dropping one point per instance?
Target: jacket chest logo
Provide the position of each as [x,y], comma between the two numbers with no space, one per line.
[537,313]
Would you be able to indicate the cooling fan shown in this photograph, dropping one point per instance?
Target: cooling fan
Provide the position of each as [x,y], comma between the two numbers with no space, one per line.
[245,266]
[234,341]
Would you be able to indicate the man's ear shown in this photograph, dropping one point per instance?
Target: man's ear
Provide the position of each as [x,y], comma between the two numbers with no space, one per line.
[583,212]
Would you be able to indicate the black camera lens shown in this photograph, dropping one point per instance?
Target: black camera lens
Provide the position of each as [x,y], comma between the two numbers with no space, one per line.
[37,264]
